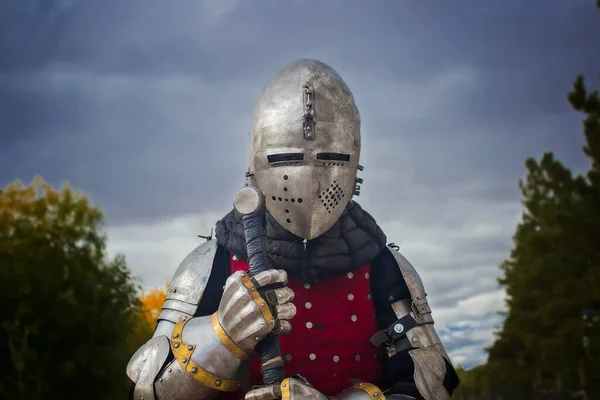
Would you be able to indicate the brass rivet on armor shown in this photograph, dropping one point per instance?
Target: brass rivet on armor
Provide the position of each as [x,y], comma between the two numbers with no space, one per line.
[350,275]
[350,296]
[353,318]
[218,383]
[160,379]
[309,325]
[357,357]
[312,356]
[184,360]
[234,258]
[308,305]
[360,384]
[336,358]
[272,321]
[174,290]
[283,385]
[243,275]
[176,335]
[307,286]
[176,345]
[170,370]
[194,370]
[376,394]
[367,275]
[253,289]
[257,338]
[262,304]
[190,347]
[288,357]
[369,296]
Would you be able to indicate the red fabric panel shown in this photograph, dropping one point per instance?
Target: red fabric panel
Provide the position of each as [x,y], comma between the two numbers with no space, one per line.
[329,343]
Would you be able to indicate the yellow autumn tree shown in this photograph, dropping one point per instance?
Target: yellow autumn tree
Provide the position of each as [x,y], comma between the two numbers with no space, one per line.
[152,303]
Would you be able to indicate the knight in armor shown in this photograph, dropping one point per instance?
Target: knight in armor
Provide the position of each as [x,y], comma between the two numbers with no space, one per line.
[363,328]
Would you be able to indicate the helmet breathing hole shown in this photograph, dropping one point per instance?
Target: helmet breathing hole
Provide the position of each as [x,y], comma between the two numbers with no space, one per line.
[289,221]
[287,211]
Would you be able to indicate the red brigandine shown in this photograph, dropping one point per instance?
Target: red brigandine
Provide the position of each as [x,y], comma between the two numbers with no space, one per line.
[329,344]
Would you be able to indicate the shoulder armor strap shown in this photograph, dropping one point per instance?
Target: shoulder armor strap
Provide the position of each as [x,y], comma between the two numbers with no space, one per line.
[428,353]
[145,364]
[415,287]
[189,282]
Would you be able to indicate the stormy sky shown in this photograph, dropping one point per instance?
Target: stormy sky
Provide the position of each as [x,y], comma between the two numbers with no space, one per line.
[146,106]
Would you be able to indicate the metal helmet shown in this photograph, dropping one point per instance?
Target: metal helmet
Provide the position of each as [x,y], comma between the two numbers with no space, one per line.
[305,147]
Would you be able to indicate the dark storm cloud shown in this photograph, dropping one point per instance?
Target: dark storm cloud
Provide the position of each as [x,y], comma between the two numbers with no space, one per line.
[146,105]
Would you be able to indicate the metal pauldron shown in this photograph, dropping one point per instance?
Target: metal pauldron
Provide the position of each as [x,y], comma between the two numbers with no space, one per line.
[414,327]
[414,331]
[187,287]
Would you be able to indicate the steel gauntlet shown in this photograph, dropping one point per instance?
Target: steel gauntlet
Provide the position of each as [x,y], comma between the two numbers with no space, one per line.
[246,317]
[297,388]
[210,353]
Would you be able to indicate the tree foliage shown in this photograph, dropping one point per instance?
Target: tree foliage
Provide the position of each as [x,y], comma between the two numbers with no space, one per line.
[152,303]
[68,310]
[549,343]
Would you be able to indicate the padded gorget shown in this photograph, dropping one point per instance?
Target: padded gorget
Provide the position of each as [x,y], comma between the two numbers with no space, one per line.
[353,241]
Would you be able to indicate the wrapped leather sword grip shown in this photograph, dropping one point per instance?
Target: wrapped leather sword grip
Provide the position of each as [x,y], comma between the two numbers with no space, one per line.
[249,202]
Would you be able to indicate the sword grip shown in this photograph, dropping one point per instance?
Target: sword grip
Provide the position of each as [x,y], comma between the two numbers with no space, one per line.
[268,348]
